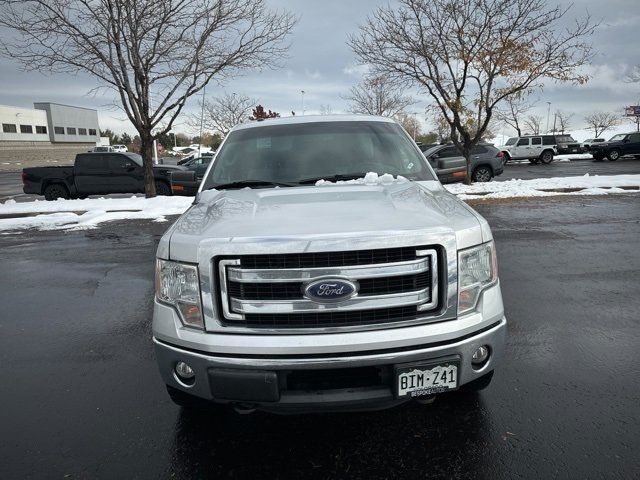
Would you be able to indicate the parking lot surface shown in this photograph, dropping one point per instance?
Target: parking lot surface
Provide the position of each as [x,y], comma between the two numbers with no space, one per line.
[82,397]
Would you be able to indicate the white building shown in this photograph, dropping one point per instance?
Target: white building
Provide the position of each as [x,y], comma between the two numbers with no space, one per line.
[49,123]
[23,124]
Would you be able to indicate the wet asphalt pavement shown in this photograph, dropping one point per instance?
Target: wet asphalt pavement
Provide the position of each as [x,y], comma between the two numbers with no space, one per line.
[81,396]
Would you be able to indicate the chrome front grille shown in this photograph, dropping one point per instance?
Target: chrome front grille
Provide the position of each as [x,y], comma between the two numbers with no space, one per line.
[267,291]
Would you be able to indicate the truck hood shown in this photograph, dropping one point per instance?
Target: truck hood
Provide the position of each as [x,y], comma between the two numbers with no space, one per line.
[280,215]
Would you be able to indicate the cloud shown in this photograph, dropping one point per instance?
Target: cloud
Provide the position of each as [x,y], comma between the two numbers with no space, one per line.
[315,75]
[356,70]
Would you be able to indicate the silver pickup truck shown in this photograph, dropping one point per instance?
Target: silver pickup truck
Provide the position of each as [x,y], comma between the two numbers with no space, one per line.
[322,266]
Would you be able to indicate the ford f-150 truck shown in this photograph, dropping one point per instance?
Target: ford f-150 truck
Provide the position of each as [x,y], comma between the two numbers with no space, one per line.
[322,266]
[95,173]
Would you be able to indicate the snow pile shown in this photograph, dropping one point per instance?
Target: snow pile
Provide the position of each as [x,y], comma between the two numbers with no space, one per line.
[371,178]
[85,214]
[539,187]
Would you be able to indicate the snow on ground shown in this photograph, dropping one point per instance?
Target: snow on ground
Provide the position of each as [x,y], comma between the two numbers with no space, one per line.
[89,213]
[540,187]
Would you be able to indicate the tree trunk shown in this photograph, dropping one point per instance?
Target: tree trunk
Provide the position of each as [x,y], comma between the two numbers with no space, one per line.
[466,153]
[146,150]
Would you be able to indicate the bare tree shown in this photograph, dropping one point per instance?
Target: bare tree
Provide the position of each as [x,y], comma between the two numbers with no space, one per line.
[469,55]
[533,124]
[223,113]
[512,111]
[326,109]
[154,54]
[562,121]
[377,96]
[410,123]
[634,75]
[600,122]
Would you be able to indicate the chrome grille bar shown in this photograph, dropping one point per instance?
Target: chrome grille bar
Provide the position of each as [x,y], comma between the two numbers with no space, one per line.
[354,303]
[356,272]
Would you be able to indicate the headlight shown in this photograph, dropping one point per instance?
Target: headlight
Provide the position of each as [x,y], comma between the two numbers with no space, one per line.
[178,284]
[477,269]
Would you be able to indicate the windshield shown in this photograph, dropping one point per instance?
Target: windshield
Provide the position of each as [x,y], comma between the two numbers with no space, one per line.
[564,138]
[301,152]
[512,141]
[618,138]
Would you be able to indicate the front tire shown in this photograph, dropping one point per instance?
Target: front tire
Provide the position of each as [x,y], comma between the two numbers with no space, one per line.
[482,174]
[163,189]
[546,157]
[613,155]
[56,191]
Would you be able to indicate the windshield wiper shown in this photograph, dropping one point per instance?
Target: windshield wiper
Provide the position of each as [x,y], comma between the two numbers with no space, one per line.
[251,183]
[333,178]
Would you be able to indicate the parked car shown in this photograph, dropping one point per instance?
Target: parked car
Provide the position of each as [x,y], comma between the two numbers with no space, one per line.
[120,148]
[102,148]
[187,182]
[586,145]
[451,166]
[617,146]
[426,146]
[286,290]
[95,173]
[538,148]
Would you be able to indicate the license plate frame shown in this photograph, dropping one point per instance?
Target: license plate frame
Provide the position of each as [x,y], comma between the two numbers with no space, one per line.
[426,367]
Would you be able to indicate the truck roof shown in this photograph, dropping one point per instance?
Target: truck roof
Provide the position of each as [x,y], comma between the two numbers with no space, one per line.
[313,119]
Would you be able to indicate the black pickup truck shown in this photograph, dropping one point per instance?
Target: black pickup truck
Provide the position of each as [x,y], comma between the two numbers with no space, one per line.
[95,173]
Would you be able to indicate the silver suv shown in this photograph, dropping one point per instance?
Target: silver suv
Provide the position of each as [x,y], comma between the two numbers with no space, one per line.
[322,266]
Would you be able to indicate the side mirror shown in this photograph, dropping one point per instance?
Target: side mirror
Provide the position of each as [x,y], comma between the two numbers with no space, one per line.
[626,140]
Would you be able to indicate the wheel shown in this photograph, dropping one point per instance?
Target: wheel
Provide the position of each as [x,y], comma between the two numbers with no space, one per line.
[505,158]
[613,155]
[187,401]
[482,173]
[55,191]
[546,157]
[534,161]
[478,384]
[163,189]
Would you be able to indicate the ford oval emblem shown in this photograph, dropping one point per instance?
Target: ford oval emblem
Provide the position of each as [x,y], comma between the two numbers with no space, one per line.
[327,290]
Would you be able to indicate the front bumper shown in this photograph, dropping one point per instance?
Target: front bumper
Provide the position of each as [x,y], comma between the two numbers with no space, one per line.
[261,381]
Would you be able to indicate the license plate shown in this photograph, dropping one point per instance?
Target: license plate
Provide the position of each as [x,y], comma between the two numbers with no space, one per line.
[419,380]
[574,150]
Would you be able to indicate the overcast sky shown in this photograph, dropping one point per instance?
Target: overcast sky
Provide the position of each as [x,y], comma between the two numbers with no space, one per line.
[323,66]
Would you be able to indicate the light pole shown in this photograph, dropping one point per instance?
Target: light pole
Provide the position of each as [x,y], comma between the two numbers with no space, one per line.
[548,112]
[302,92]
[204,93]
[415,125]
[155,142]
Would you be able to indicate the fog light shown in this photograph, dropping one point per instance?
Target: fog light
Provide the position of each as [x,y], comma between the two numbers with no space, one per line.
[184,371]
[480,355]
